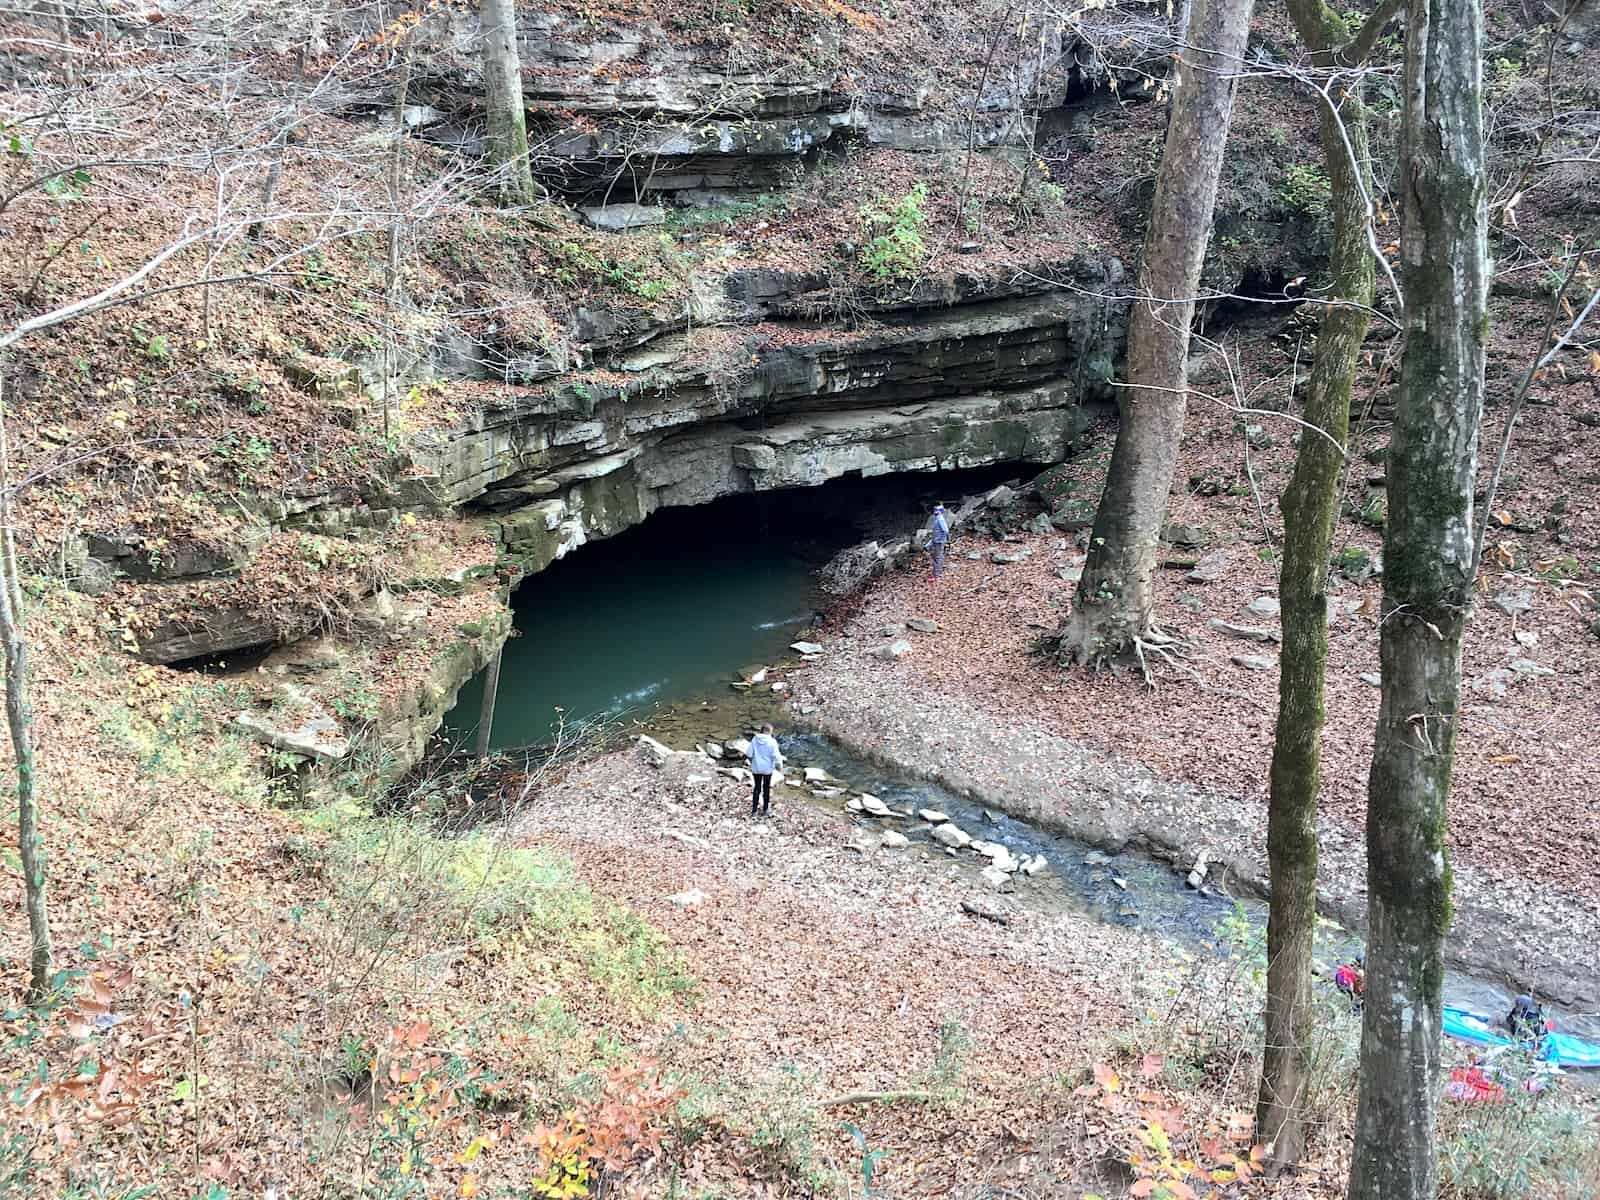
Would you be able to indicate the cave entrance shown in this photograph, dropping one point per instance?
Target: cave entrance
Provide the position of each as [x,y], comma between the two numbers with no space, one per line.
[667,612]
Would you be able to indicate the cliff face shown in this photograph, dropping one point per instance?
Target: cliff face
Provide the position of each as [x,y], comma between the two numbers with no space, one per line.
[769,257]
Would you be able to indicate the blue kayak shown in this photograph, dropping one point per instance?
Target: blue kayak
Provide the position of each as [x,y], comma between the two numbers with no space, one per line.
[1560,1048]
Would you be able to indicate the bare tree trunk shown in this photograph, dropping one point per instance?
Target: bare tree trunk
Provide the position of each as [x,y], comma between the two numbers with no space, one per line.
[19,717]
[1310,508]
[1428,588]
[507,116]
[1116,598]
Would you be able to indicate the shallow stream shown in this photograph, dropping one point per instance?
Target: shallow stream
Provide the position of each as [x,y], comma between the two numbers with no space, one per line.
[651,629]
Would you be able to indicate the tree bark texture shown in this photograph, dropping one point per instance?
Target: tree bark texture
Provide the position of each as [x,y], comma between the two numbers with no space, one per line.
[1310,508]
[1428,586]
[1116,599]
[19,719]
[507,115]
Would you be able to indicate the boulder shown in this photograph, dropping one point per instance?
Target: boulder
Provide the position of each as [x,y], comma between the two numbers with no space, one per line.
[1254,662]
[1041,525]
[1245,633]
[999,880]
[712,749]
[314,735]
[618,218]
[873,806]
[1000,497]
[933,815]
[738,748]
[950,835]
[1263,607]
[1178,534]
[1033,864]
[1514,602]
[656,753]
[814,774]
[894,841]
[1211,567]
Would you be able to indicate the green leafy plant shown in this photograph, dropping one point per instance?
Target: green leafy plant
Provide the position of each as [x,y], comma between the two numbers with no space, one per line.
[870,1158]
[896,251]
[1307,189]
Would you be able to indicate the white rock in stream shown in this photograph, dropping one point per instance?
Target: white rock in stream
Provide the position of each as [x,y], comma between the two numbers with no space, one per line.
[851,805]
[813,774]
[712,749]
[996,878]
[1033,864]
[950,835]
[873,807]
[806,648]
[932,814]
[894,841]
[826,793]
[760,676]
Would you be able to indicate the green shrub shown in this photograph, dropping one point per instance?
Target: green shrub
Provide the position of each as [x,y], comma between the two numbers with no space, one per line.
[896,251]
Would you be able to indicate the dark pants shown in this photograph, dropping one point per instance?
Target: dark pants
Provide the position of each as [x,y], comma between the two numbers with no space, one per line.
[938,549]
[761,796]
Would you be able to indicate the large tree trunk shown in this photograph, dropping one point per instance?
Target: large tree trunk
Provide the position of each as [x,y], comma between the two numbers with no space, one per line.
[1428,588]
[19,718]
[1310,507]
[1116,598]
[507,117]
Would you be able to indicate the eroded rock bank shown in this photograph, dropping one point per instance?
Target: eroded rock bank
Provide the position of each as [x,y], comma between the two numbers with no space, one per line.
[1506,926]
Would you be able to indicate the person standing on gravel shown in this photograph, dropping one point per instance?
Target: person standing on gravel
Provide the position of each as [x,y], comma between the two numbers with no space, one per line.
[765,758]
[940,542]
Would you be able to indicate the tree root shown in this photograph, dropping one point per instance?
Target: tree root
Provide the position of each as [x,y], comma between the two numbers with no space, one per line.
[873,1098]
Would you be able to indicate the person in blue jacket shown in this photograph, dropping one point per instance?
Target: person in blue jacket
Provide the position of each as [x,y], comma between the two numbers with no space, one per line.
[765,758]
[940,541]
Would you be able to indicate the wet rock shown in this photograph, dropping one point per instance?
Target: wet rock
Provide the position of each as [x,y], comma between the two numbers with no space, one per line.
[923,625]
[1244,633]
[852,805]
[896,649]
[933,815]
[894,841]
[688,899]
[873,806]
[1254,662]
[1263,607]
[1211,567]
[1514,601]
[806,648]
[951,835]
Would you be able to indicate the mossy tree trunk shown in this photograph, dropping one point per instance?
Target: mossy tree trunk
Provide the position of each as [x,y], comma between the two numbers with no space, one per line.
[1116,597]
[506,114]
[1310,508]
[19,720]
[1428,588]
